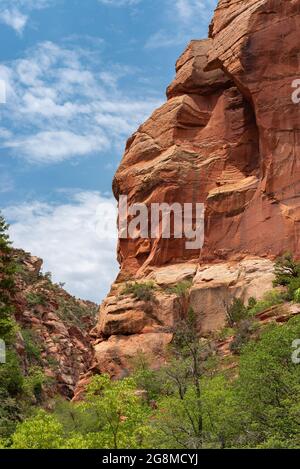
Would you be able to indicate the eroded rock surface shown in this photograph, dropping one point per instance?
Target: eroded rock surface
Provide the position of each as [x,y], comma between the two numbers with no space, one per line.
[228,136]
[54,328]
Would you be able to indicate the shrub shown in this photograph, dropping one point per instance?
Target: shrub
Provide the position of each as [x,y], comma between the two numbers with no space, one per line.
[11,378]
[270,298]
[244,332]
[225,333]
[35,299]
[33,383]
[7,284]
[252,302]
[291,288]
[40,432]
[71,311]
[10,413]
[141,291]
[297,295]
[32,347]
[181,289]
[236,312]
[268,386]
[147,379]
[286,269]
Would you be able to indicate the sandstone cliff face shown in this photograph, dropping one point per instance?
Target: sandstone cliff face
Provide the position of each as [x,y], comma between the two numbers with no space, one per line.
[228,136]
[53,328]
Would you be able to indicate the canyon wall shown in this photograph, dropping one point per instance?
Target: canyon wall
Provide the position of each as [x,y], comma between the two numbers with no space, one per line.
[53,328]
[228,137]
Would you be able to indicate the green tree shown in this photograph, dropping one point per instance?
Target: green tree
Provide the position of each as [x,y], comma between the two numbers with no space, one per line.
[119,410]
[42,431]
[179,420]
[268,387]
[286,269]
[7,284]
[236,312]
[11,379]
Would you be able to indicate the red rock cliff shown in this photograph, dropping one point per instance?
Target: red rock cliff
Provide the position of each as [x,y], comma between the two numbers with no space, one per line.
[228,136]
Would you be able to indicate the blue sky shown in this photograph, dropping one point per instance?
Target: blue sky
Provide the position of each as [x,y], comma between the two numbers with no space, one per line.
[80,76]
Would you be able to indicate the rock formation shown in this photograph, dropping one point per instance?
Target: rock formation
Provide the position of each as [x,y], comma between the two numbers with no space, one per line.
[53,328]
[228,136]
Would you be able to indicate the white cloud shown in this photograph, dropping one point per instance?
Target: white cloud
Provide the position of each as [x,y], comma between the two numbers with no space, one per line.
[67,237]
[14,18]
[190,11]
[15,13]
[119,3]
[57,146]
[186,17]
[62,103]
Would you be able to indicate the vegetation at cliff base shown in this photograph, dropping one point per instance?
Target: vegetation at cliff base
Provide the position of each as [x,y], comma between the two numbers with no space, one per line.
[189,403]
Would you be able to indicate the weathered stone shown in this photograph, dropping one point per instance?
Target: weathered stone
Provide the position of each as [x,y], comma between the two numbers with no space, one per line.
[227,137]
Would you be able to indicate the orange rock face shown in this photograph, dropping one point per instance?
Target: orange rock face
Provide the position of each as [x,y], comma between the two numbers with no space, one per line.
[228,137]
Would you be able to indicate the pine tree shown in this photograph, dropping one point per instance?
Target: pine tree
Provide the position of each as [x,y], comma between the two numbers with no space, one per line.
[7,284]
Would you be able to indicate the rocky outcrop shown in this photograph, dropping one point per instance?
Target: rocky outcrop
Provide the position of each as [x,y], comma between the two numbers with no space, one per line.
[53,328]
[228,137]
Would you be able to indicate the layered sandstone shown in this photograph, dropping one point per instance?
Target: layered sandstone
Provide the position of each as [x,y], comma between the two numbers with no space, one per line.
[228,137]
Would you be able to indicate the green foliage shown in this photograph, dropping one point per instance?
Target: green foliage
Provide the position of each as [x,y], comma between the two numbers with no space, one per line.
[236,312]
[147,379]
[112,416]
[192,402]
[225,333]
[35,299]
[71,311]
[7,285]
[141,291]
[193,408]
[297,295]
[10,413]
[292,287]
[33,348]
[270,298]
[120,411]
[181,289]
[33,383]
[11,378]
[286,269]
[243,334]
[268,388]
[287,274]
[42,431]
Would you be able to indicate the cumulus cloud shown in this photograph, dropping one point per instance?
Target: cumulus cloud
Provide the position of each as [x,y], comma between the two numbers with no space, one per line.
[186,16]
[15,13]
[76,239]
[56,146]
[62,103]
